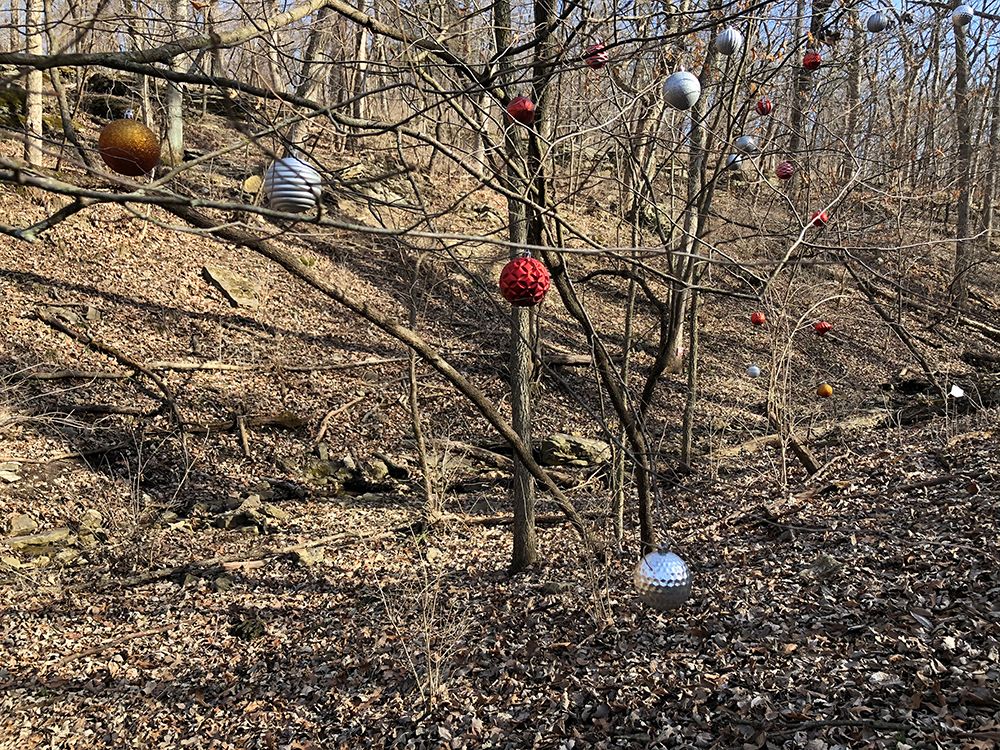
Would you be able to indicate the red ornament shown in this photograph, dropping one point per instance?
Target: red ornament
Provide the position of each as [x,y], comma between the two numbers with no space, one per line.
[758,318]
[524,281]
[812,60]
[596,56]
[764,107]
[521,109]
[785,170]
[819,219]
[822,327]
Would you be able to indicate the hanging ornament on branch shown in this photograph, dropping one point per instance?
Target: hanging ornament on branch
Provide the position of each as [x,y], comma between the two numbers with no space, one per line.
[291,185]
[758,318]
[128,147]
[662,580]
[521,109]
[877,22]
[524,281]
[682,89]
[753,371]
[963,15]
[746,144]
[812,60]
[595,56]
[735,162]
[729,41]
[764,107]
[785,170]
[819,219]
[822,327]
[825,390]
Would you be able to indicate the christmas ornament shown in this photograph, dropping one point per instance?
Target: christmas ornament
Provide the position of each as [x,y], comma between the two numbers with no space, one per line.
[785,170]
[662,580]
[819,219]
[812,60]
[758,318]
[524,281]
[764,107]
[292,185]
[128,147]
[735,161]
[746,144]
[877,21]
[753,371]
[822,327]
[729,41]
[596,56]
[521,109]
[681,90]
[825,390]
[956,391]
[963,15]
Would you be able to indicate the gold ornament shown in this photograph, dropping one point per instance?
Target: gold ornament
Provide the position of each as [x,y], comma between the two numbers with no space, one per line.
[128,147]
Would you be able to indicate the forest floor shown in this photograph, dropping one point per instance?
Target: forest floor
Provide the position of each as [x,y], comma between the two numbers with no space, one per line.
[278,588]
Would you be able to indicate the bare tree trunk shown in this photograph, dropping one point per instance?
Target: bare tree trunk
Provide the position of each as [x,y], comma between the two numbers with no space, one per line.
[33,46]
[309,80]
[853,95]
[525,538]
[175,94]
[687,440]
[964,248]
[993,153]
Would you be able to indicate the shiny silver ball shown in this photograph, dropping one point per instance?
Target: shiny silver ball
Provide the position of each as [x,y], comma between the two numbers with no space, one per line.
[753,371]
[292,185]
[729,41]
[682,90]
[747,144]
[735,161]
[877,22]
[662,580]
[963,15]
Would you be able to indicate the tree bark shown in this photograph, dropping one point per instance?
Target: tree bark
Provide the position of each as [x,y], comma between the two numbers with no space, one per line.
[175,94]
[33,46]
[964,247]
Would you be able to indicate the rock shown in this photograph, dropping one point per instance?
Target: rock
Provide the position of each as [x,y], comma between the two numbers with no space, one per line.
[222,583]
[252,184]
[248,628]
[21,524]
[10,562]
[67,556]
[555,587]
[307,557]
[168,517]
[375,471]
[10,477]
[10,466]
[433,554]
[34,545]
[238,290]
[91,520]
[272,510]
[560,449]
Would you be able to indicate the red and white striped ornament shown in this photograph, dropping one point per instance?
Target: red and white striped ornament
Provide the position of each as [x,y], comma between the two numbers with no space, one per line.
[596,56]
[764,107]
[521,109]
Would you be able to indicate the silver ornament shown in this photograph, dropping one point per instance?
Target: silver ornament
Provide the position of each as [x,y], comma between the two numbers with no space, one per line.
[753,371]
[682,90]
[292,185]
[729,41]
[735,161]
[877,21]
[662,580]
[746,144]
[963,15]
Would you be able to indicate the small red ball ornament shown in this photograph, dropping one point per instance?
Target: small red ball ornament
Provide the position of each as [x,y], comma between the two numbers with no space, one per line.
[764,107]
[812,60]
[819,219]
[596,56]
[758,318]
[785,170]
[524,281]
[822,327]
[521,109]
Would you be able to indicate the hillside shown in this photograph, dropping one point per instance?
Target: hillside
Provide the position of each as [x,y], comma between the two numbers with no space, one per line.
[271,580]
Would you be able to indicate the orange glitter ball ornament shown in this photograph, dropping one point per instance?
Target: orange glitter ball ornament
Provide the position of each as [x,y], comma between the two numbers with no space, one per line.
[128,147]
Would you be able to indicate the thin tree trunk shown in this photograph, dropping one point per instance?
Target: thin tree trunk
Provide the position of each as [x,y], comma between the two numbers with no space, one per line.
[964,248]
[175,94]
[33,46]
[687,441]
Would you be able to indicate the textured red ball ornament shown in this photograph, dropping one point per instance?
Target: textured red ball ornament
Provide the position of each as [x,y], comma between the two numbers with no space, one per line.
[812,60]
[521,109]
[764,107]
[596,56]
[819,219]
[822,327]
[785,170]
[128,147]
[758,318]
[524,281]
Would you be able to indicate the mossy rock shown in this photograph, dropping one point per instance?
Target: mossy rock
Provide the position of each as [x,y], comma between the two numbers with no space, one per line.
[13,101]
